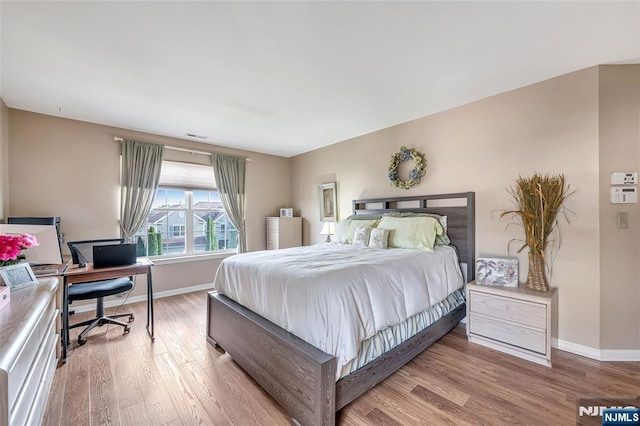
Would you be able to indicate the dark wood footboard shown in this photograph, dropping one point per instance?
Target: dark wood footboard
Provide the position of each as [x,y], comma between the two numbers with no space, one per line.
[296,374]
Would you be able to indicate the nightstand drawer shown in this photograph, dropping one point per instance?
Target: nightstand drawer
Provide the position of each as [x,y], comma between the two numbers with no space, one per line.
[272,224]
[519,311]
[513,334]
[272,236]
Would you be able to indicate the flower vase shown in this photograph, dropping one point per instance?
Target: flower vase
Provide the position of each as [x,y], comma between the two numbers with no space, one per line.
[535,277]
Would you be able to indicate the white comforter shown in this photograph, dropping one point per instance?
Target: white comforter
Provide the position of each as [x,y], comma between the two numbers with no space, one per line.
[334,296]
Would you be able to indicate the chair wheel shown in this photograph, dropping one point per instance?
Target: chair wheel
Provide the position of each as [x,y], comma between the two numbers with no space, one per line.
[81,341]
[126,330]
[131,318]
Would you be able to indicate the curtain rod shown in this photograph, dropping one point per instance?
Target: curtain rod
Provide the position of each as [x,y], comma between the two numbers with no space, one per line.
[175,148]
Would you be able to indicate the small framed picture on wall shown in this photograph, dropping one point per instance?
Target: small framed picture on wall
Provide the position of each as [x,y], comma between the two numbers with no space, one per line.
[286,212]
[328,211]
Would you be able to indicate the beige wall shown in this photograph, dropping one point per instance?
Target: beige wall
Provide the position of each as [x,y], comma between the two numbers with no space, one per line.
[483,147]
[619,248]
[4,158]
[585,125]
[71,169]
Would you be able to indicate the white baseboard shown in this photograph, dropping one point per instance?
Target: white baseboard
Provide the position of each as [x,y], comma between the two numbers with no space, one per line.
[141,298]
[597,354]
[620,354]
[575,348]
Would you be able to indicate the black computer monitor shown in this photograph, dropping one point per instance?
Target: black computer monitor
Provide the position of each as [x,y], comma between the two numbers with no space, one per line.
[82,251]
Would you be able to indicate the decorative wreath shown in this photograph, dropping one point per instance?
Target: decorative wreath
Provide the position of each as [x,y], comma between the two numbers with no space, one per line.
[415,175]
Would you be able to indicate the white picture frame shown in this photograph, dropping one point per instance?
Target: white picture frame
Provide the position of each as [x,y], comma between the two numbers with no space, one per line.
[286,212]
[497,271]
[328,203]
[18,275]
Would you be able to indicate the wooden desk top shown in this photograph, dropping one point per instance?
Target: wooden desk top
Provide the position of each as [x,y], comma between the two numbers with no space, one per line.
[75,274]
[53,270]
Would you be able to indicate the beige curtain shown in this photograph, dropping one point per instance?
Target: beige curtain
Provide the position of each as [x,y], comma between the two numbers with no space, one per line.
[230,172]
[141,164]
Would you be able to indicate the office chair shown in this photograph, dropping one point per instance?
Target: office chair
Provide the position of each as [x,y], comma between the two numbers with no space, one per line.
[82,252]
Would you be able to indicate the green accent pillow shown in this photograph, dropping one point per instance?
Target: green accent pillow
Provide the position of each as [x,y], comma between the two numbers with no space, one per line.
[346,228]
[412,232]
[441,239]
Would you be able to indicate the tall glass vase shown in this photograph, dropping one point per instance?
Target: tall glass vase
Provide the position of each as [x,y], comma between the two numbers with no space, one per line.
[535,277]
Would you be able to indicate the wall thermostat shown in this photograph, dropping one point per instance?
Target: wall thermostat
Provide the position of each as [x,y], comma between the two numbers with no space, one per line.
[624,178]
[624,194]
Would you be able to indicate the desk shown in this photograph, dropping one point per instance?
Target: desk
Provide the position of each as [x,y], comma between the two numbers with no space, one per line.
[73,274]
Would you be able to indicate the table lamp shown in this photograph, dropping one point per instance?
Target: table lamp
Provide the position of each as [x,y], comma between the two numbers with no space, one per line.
[328,229]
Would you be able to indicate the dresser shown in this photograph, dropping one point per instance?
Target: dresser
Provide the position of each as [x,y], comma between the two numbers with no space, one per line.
[513,320]
[283,232]
[28,341]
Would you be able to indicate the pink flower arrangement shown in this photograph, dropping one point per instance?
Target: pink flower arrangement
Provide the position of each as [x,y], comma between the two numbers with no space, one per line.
[11,247]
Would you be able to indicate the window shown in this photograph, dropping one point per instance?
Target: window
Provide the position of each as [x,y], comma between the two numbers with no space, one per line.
[186,220]
[178,231]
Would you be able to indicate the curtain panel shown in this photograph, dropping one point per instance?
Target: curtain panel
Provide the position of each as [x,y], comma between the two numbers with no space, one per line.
[230,173]
[141,164]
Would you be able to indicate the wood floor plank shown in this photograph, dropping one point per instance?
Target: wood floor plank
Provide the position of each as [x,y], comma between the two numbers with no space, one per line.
[379,417]
[190,408]
[56,401]
[241,400]
[104,406]
[126,383]
[189,338]
[136,414]
[181,380]
[77,407]
[157,398]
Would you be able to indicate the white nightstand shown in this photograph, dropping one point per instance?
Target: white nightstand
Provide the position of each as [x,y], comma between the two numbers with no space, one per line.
[513,320]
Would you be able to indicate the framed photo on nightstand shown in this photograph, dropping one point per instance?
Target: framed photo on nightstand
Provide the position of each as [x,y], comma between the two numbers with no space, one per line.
[501,272]
[286,212]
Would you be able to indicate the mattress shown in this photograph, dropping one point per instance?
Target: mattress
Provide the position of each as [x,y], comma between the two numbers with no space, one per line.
[336,296]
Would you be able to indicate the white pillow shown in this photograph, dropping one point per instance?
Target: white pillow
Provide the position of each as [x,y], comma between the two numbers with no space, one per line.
[361,236]
[379,238]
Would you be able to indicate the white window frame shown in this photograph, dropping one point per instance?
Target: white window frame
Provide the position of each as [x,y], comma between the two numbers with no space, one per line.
[189,229]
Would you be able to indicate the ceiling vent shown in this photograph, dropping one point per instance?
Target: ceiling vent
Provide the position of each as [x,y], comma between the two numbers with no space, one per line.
[193,135]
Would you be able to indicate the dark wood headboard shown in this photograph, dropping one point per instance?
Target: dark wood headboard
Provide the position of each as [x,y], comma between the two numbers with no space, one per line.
[459,209]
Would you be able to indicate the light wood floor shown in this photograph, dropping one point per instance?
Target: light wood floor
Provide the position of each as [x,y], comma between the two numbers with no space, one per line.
[181,380]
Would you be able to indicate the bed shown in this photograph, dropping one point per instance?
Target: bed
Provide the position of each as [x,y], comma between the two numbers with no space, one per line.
[312,384]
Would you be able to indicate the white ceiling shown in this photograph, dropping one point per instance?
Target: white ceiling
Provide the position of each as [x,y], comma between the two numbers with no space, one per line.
[288,77]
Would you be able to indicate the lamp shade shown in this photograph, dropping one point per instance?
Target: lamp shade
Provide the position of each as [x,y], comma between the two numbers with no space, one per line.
[328,228]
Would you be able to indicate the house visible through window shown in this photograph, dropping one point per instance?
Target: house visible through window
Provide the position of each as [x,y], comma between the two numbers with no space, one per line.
[186,220]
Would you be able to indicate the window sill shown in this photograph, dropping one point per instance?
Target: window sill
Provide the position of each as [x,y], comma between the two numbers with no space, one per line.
[192,258]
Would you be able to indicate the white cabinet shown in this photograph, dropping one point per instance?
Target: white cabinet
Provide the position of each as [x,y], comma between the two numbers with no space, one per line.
[283,232]
[512,320]
[28,341]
